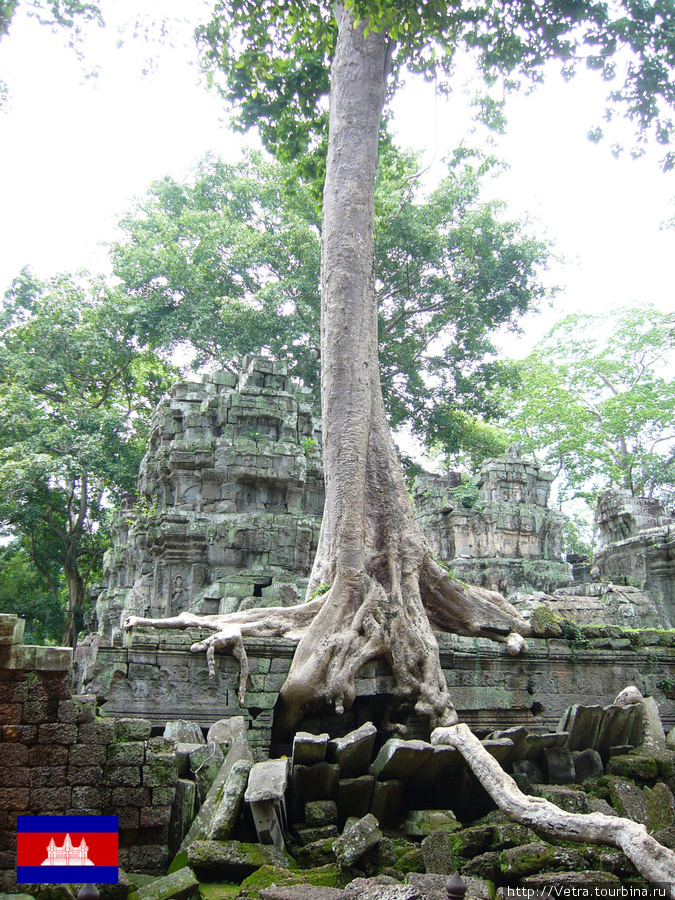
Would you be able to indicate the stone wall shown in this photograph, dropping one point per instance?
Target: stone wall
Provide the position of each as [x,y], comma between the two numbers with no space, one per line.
[230,501]
[637,546]
[157,678]
[57,757]
[505,538]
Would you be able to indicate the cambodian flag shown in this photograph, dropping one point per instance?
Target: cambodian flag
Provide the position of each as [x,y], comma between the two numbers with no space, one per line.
[66,849]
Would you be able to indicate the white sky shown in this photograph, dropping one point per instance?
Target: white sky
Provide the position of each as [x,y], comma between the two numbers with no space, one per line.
[73,153]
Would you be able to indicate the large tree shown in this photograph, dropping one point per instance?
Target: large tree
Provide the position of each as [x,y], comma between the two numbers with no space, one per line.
[75,391]
[386,590]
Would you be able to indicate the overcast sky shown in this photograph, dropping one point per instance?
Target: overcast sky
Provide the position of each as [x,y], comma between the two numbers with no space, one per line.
[74,152]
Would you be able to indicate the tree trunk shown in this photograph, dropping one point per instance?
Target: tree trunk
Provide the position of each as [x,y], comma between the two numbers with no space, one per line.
[371,549]
[75,619]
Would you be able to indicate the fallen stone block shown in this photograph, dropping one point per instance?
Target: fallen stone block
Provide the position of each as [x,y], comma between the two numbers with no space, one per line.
[265,793]
[233,860]
[305,892]
[660,807]
[518,862]
[224,731]
[199,829]
[181,885]
[182,812]
[321,812]
[228,801]
[385,802]
[315,834]
[437,852]
[587,765]
[317,782]
[421,822]
[353,752]
[184,732]
[309,748]
[537,743]
[356,841]
[353,796]
[559,767]
[205,763]
[399,760]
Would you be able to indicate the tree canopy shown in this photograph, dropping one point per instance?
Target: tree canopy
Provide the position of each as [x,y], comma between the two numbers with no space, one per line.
[271,60]
[597,403]
[229,264]
[75,391]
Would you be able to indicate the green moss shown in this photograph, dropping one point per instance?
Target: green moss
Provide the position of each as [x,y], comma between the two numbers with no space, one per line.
[638,768]
[545,623]
[324,876]
[412,861]
[179,861]
[265,877]
[218,891]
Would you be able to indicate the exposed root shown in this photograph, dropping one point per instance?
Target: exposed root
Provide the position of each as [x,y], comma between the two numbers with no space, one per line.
[460,608]
[654,861]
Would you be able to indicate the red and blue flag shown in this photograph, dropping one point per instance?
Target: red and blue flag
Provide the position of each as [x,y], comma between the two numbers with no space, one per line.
[67,849]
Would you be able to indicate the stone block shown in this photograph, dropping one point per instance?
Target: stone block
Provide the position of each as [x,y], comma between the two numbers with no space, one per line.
[422,822]
[130,753]
[228,802]
[628,799]
[15,799]
[126,795]
[437,853]
[309,748]
[587,765]
[559,765]
[353,752]
[121,776]
[49,800]
[77,710]
[57,733]
[11,630]
[87,755]
[160,772]
[16,776]
[98,732]
[183,752]
[132,729]
[91,797]
[184,732]
[205,763]
[320,812]
[84,775]
[54,659]
[163,795]
[268,781]
[232,860]
[356,841]
[660,807]
[14,755]
[399,760]
[182,812]
[385,802]
[353,797]
[10,713]
[154,816]
[317,782]
[180,885]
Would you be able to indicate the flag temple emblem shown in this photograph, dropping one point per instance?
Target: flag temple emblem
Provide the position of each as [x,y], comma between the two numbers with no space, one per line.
[68,849]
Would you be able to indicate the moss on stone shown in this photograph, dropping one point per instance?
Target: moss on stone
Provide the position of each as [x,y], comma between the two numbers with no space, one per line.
[412,861]
[637,768]
[545,623]
[218,891]
[265,877]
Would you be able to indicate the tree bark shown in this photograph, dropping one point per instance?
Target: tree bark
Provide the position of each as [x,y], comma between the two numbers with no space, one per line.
[371,549]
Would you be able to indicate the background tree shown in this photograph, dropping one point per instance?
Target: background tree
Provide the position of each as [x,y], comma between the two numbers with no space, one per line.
[597,403]
[229,264]
[75,393]
[371,551]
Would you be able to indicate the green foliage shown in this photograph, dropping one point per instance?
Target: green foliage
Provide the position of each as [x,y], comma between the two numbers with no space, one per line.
[75,390]
[230,265]
[24,592]
[319,591]
[270,60]
[308,445]
[597,403]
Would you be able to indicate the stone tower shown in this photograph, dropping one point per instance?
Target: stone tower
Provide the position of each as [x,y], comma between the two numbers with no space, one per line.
[505,538]
[230,501]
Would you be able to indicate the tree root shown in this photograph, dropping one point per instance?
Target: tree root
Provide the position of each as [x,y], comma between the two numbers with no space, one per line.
[654,861]
[388,612]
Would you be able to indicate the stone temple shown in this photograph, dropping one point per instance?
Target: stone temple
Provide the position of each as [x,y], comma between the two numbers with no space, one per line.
[230,501]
